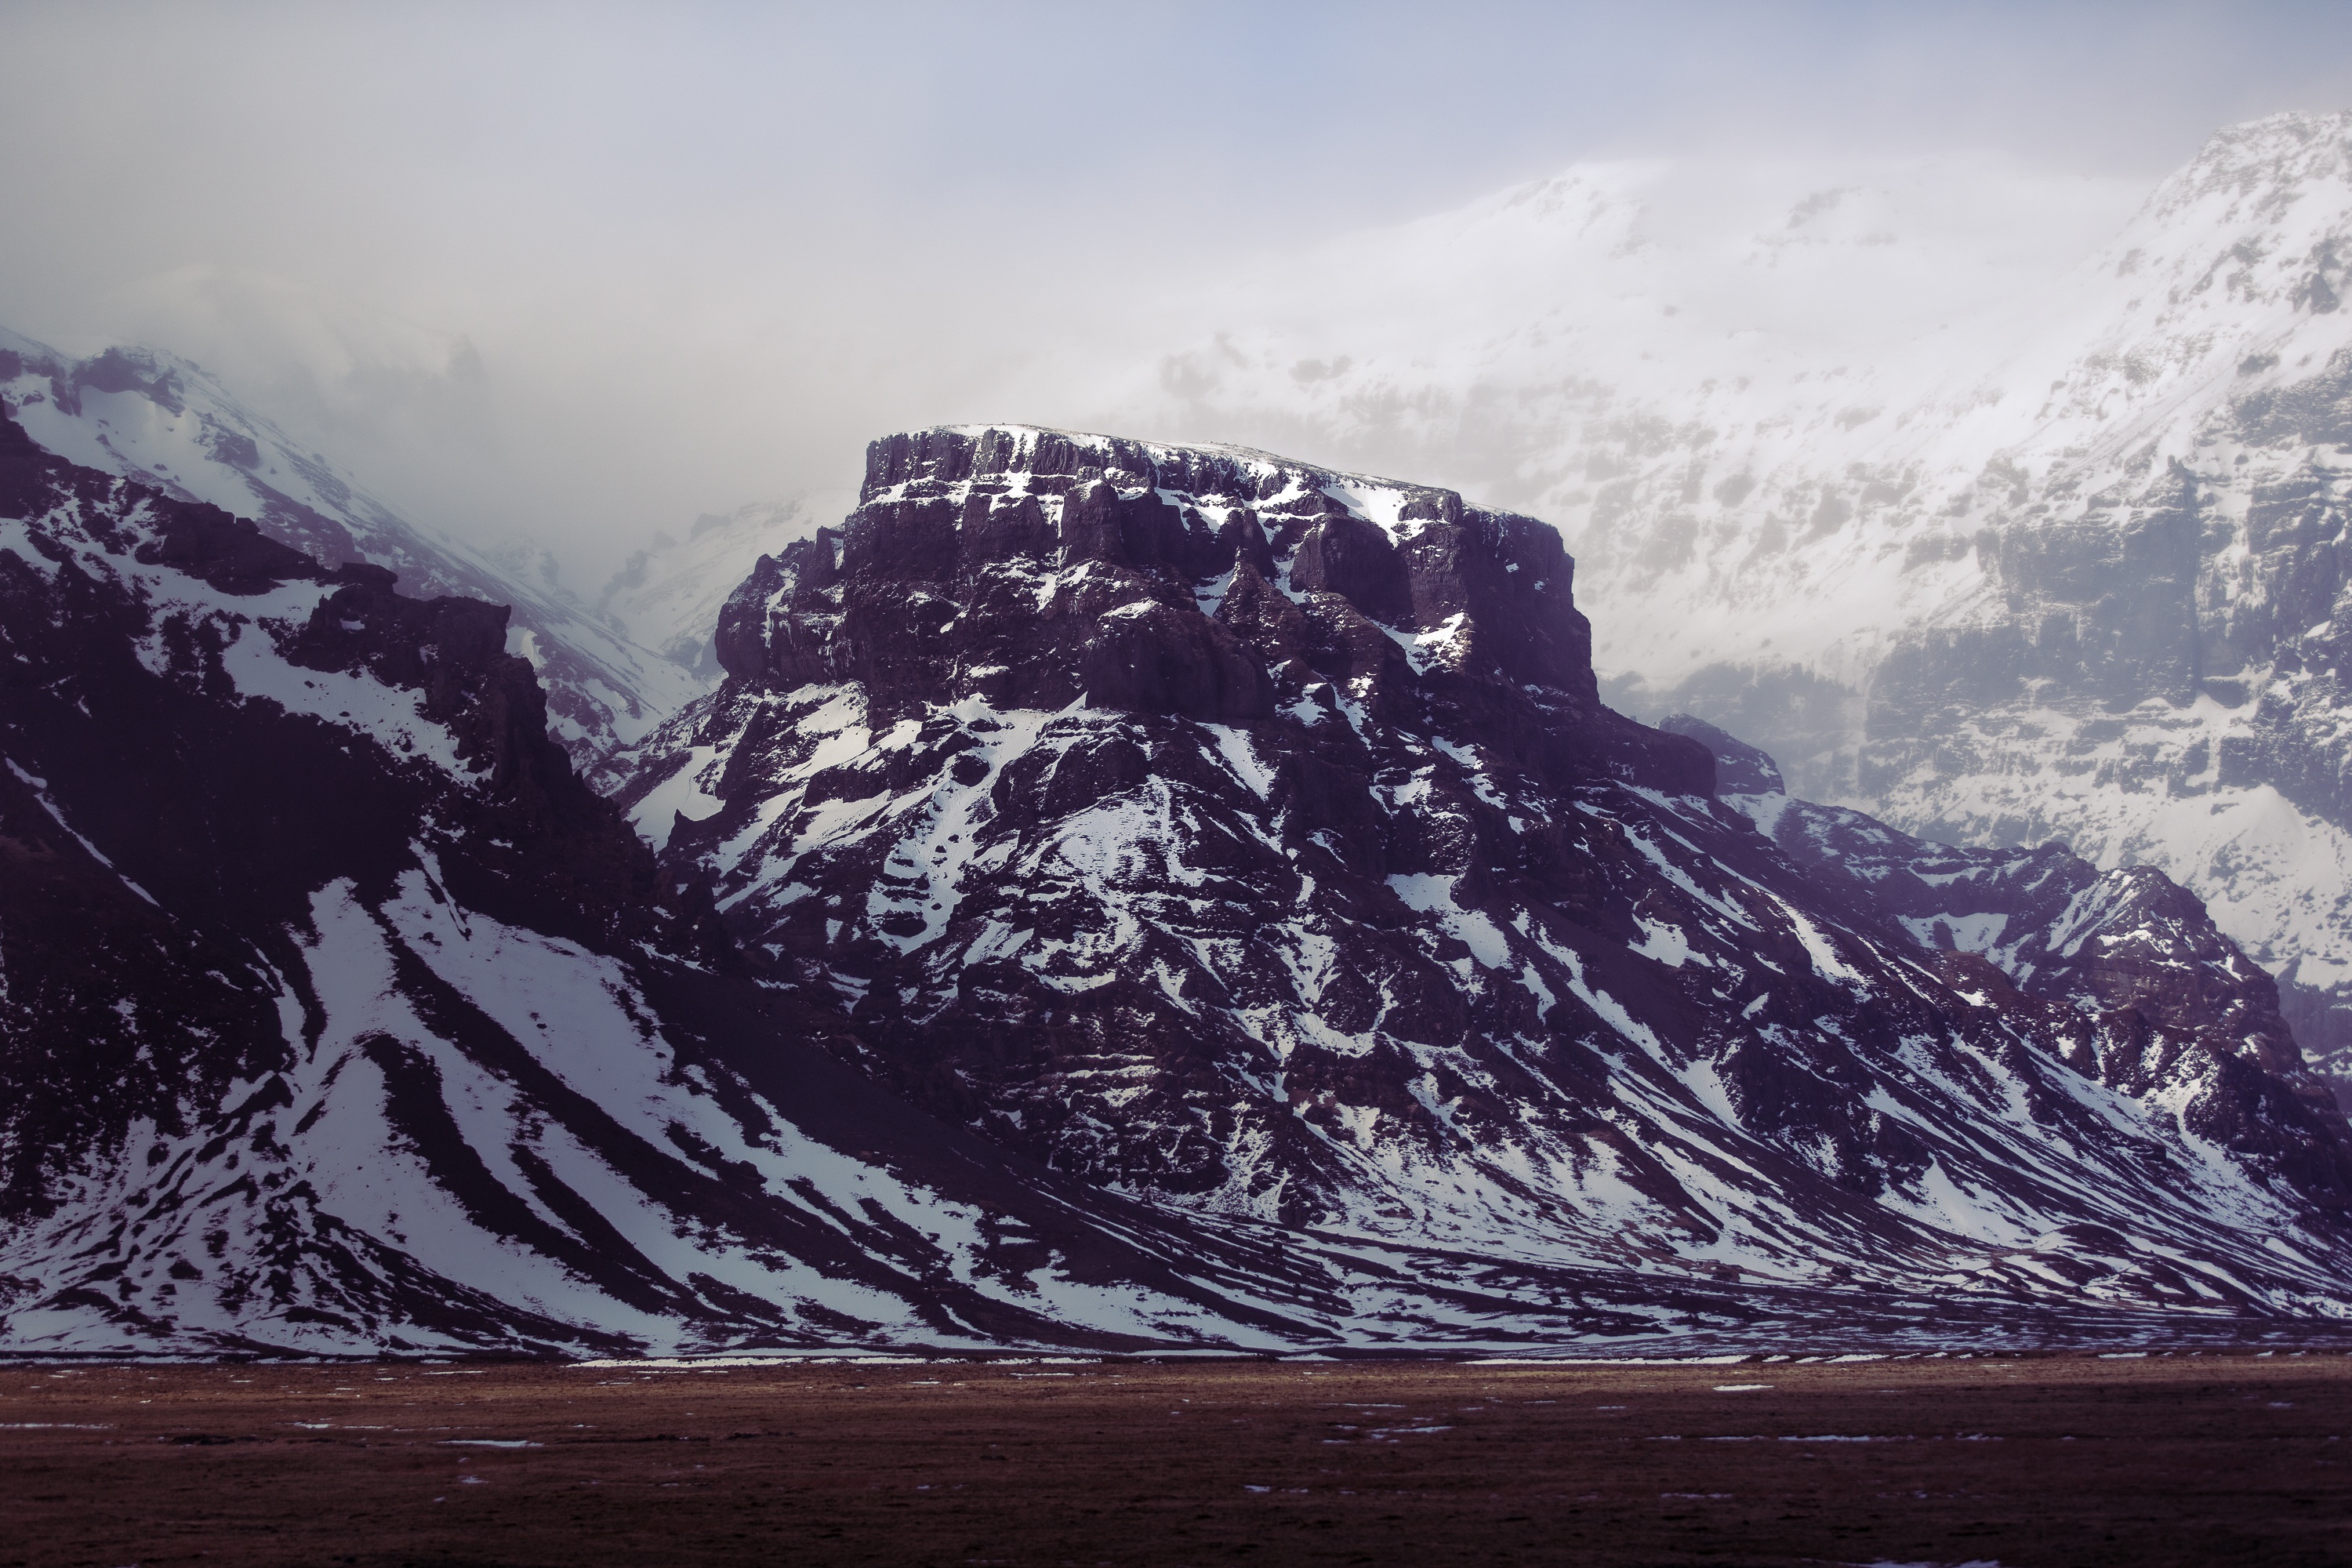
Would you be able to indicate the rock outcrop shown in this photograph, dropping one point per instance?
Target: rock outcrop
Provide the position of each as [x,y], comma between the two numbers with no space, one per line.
[1250,837]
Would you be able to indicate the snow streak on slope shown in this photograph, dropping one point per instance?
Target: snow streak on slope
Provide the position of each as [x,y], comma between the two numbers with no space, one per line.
[397,1184]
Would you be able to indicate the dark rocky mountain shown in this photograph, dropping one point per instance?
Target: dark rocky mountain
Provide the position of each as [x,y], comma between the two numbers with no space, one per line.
[166,424]
[1249,839]
[337,1013]
[1122,896]
[2151,999]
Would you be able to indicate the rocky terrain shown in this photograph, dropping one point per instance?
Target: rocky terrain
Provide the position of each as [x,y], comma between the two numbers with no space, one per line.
[1997,550]
[1121,897]
[165,423]
[1250,838]
[338,1013]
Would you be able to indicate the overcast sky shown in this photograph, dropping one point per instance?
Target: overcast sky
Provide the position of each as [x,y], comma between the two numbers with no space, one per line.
[622,265]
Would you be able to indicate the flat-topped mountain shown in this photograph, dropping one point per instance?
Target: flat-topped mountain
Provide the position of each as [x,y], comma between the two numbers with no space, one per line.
[1249,838]
[340,1016]
[1122,896]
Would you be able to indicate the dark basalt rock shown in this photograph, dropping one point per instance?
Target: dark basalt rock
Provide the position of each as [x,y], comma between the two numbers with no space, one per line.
[2152,991]
[1740,768]
[1252,837]
[228,552]
[928,592]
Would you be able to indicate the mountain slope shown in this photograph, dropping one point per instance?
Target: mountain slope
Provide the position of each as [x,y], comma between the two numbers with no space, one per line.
[336,1014]
[1995,549]
[165,423]
[1250,838]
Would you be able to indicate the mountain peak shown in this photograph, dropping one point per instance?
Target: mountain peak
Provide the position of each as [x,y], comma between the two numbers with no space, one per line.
[1034,569]
[1242,836]
[160,420]
[2263,159]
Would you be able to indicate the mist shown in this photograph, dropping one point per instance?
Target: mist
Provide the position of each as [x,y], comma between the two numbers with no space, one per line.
[584,273]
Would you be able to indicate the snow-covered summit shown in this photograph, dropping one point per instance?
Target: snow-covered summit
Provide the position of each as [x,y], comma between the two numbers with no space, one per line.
[2269,161]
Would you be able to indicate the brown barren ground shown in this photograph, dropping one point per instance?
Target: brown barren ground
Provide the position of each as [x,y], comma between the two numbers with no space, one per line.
[2021,1460]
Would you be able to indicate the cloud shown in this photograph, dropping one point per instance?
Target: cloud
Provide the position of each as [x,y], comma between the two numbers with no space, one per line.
[592,271]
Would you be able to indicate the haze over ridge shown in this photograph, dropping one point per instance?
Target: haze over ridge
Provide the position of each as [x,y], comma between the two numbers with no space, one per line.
[588,279]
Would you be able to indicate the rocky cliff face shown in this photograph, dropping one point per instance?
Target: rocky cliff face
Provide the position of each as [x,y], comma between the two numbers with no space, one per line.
[2146,662]
[1250,838]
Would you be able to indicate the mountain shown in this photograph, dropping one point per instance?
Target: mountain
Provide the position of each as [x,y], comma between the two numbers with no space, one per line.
[1249,839]
[337,1014]
[1316,963]
[666,596]
[1996,550]
[2051,924]
[164,422]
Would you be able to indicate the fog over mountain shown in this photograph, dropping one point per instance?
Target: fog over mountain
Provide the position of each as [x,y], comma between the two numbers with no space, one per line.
[596,273]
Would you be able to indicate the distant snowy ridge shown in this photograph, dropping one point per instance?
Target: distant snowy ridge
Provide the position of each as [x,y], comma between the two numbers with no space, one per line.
[159,419]
[1996,548]
[666,596]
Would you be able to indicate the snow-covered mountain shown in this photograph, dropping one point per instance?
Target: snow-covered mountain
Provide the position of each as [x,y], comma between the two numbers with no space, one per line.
[164,422]
[666,596]
[1249,838]
[337,1014]
[1120,898]
[1998,550]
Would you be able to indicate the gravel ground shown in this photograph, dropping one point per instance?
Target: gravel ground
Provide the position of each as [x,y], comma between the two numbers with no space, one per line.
[2019,1461]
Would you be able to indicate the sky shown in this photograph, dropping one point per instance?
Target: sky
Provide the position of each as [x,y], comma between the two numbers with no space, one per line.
[589,270]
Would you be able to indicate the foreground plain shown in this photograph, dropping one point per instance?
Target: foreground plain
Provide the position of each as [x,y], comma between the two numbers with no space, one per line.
[2020,1460]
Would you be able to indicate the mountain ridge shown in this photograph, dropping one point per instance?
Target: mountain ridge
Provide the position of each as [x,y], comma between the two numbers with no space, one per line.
[365,1025]
[163,421]
[1347,940]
